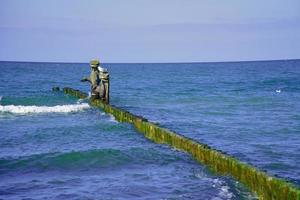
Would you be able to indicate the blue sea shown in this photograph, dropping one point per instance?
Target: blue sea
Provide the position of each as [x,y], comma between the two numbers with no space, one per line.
[53,146]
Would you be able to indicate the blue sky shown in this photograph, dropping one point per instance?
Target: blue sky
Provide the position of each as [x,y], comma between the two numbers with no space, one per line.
[149,30]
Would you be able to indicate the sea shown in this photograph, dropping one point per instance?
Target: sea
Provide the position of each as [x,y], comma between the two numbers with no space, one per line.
[54,146]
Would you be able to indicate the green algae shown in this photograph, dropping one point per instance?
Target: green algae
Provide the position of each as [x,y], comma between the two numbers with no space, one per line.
[75,93]
[265,186]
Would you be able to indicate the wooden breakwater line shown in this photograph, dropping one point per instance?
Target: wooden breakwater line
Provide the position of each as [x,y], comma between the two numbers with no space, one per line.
[265,186]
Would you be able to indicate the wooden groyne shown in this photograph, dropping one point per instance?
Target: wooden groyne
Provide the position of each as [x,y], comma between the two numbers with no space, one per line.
[265,186]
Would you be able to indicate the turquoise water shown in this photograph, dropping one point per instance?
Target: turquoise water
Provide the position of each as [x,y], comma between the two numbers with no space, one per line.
[53,146]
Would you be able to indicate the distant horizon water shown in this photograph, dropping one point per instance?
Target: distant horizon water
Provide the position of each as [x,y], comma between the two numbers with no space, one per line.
[187,62]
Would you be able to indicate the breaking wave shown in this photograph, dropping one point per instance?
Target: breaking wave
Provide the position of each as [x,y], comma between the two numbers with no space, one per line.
[43,109]
[89,159]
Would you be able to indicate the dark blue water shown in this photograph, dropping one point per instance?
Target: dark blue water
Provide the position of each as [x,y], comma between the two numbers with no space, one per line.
[250,110]
[53,146]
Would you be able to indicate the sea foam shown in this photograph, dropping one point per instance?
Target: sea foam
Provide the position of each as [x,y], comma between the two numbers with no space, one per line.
[43,109]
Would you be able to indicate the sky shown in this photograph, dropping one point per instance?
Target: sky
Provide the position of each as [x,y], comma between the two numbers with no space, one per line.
[149,30]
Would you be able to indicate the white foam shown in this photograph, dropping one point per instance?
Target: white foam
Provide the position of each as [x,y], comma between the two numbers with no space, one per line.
[79,101]
[278,91]
[44,109]
[225,193]
[112,118]
[224,190]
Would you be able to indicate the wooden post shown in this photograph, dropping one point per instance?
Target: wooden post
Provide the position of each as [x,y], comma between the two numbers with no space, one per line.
[104,76]
[265,186]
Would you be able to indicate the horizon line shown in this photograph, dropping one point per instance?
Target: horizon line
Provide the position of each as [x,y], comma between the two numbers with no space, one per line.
[189,62]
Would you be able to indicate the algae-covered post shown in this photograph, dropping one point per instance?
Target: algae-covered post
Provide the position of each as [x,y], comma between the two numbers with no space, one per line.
[265,186]
[99,80]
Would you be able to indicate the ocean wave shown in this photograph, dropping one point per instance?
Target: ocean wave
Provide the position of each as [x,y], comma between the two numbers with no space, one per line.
[68,160]
[19,109]
[89,159]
